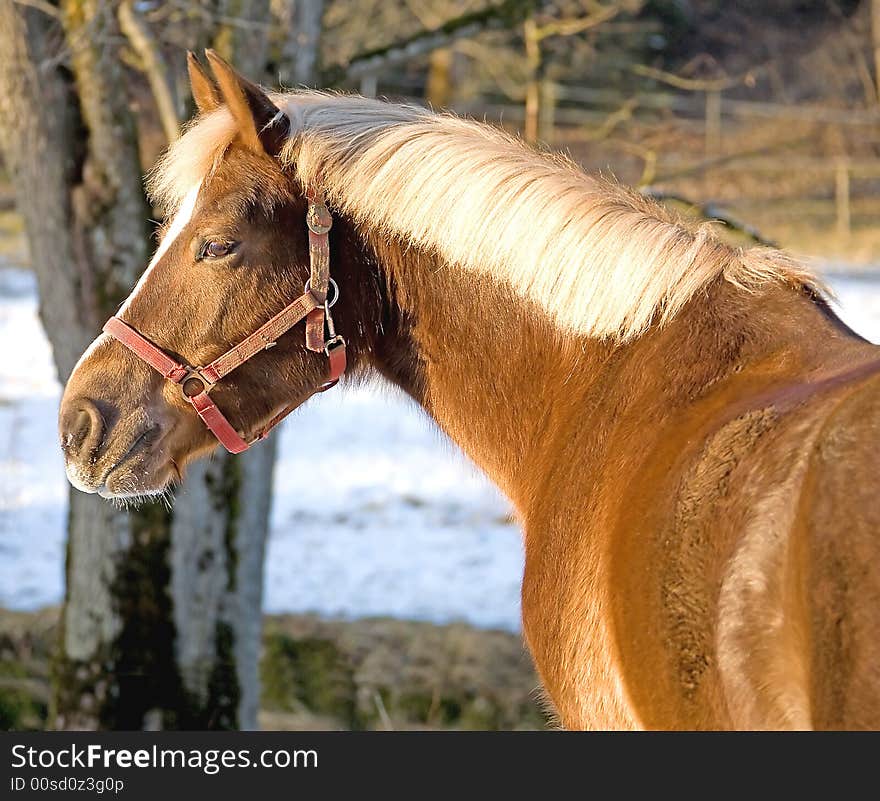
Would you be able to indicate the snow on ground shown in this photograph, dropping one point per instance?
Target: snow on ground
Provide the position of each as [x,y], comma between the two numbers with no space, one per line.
[390,521]
[33,498]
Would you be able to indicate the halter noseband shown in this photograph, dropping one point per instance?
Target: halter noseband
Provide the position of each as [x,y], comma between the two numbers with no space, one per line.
[197,382]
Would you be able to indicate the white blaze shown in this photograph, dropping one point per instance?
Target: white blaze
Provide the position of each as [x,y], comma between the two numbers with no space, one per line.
[183,216]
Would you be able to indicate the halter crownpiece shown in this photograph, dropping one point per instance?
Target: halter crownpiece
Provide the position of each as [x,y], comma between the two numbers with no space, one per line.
[197,382]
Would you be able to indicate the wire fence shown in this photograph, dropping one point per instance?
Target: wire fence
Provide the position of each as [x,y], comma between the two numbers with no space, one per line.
[710,137]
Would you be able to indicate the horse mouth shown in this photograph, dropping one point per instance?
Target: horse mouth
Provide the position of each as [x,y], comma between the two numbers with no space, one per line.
[131,474]
[127,475]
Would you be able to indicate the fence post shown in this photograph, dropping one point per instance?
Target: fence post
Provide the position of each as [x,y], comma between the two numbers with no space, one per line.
[547,111]
[533,86]
[841,197]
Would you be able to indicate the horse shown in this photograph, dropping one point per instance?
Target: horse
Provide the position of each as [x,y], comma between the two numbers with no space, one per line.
[687,432]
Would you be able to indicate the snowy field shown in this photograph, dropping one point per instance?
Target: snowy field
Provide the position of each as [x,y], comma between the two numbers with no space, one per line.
[407,527]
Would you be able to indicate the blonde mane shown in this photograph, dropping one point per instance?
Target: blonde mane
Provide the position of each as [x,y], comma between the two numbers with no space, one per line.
[603,260]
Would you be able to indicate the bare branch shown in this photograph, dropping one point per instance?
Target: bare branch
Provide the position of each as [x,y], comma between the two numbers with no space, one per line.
[501,17]
[730,158]
[569,27]
[41,5]
[509,77]
[153,65]
[708,211]
[613,120]
[689,84]
[212,17]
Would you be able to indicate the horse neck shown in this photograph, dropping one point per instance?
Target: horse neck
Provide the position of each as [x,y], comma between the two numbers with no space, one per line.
[485,364]
[517,393]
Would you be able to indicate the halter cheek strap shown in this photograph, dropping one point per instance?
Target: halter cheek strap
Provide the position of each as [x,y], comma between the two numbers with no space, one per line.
[197,382]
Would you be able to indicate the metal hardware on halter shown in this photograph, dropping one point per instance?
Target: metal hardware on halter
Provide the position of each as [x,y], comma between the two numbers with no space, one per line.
[318,218]
[333,343]
[332,285]
[194,383]
[334,340]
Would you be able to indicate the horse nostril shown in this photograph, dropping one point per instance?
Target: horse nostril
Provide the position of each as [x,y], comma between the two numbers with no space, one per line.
[82,429]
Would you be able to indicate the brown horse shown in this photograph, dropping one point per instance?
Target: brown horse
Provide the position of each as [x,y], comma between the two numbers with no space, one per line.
[688,434]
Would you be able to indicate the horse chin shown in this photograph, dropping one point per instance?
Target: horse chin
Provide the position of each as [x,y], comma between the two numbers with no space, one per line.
[141,469]
[132,482]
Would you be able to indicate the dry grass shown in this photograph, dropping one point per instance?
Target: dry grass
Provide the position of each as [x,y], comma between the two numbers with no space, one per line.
[326,675]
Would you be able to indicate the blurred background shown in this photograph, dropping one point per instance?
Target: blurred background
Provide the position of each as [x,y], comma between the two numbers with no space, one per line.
[384,591]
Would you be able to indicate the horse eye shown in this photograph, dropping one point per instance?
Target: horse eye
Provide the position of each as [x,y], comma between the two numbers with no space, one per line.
[216,249]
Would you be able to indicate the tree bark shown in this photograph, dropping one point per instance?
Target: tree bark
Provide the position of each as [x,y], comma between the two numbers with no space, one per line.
[242,35]
[218,543]
[162,615]
[37,135]
[154,66]
[875,44]
[300,55]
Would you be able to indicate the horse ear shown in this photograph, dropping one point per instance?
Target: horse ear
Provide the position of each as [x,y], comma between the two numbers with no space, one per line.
[261,125]
[204,90]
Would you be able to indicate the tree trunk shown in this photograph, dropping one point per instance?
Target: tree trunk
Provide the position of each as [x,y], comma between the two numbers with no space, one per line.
[37,136]
[242,35]
[155,67]
[875,45]
[162,617]
[301,53]
[217,582]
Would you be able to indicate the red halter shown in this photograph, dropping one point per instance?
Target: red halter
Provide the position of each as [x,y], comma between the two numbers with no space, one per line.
[197,382]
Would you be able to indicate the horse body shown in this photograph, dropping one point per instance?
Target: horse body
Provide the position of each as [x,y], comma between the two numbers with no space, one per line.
[667,491]
[697,493]
[692,490]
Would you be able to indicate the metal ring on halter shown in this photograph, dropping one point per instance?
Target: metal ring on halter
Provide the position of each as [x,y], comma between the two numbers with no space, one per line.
[333,285]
